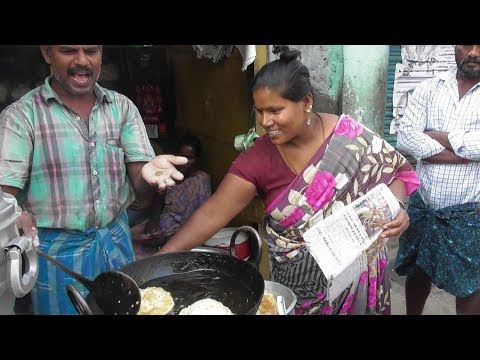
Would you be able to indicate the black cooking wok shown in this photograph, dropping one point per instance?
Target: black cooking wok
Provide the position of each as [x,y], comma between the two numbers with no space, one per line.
[195,275]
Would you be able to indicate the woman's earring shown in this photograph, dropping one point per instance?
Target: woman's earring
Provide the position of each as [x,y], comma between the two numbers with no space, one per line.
[308,111]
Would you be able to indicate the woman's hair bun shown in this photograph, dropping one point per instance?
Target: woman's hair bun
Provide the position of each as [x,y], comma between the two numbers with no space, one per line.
[277,49]
[286,54]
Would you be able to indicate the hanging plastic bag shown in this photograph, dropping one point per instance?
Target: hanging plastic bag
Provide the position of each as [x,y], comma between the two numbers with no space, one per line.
[243,141]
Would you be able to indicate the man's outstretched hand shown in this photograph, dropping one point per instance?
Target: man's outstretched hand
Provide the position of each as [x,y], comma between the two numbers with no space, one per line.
[161,172]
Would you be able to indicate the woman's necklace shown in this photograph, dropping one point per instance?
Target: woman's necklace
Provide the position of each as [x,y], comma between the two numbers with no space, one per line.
[286,158]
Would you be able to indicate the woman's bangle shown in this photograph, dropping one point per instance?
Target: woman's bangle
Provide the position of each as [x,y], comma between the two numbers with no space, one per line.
[402,205]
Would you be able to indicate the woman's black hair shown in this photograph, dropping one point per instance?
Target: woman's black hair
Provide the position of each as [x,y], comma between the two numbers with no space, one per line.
[193,142]
[286,74]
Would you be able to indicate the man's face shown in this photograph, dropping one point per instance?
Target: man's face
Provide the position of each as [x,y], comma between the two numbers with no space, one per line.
[75,68]
[468,60]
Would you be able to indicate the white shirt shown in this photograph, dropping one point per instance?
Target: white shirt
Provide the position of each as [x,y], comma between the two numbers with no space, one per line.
[435,105]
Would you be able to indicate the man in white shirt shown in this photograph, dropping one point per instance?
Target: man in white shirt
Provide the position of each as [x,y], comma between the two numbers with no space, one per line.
[441,129]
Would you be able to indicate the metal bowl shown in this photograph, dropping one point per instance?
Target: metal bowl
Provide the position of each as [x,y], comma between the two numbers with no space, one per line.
[281,290]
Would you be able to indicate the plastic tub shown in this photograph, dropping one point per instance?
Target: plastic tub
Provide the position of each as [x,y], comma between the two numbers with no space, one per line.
[222,239]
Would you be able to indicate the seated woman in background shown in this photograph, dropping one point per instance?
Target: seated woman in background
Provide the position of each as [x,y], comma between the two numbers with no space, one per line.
[171,210]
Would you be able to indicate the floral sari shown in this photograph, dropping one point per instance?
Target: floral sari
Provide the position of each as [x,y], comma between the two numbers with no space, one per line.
[354,161]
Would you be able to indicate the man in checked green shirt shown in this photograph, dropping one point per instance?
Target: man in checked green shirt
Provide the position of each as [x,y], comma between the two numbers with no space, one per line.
[76,155]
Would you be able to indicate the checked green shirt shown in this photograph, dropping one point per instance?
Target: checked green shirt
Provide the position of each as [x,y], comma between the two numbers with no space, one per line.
[72,176]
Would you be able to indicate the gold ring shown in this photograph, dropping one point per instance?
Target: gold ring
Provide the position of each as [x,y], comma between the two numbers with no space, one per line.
[159,173]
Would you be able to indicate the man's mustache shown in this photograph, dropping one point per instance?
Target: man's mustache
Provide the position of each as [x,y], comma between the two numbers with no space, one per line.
[80,70]
[471,61]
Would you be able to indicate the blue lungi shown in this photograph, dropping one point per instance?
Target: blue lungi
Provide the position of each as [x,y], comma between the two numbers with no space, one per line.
[444,243]
[88,253]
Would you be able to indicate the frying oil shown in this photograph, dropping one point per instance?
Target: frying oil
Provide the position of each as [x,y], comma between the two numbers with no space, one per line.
[189,287]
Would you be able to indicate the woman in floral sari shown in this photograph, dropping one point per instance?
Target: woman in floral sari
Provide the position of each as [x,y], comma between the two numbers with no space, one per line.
[305,167]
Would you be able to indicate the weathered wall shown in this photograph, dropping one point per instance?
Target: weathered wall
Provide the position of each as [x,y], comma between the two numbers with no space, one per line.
[364,84]
[348,79]
[335,77]
[214,103]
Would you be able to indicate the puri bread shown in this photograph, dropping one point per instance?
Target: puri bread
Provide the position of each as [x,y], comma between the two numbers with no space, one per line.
[206,306]
[268,306]
[155,301]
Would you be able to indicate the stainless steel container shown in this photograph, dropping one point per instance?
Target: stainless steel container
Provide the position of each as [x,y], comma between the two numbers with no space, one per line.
[18,258]
[288,295]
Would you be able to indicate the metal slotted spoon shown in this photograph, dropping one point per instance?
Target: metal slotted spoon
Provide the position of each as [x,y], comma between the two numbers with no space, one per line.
[115,292]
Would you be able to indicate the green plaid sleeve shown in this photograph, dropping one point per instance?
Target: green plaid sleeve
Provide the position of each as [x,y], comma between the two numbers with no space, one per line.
[15,147]
[134,138]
